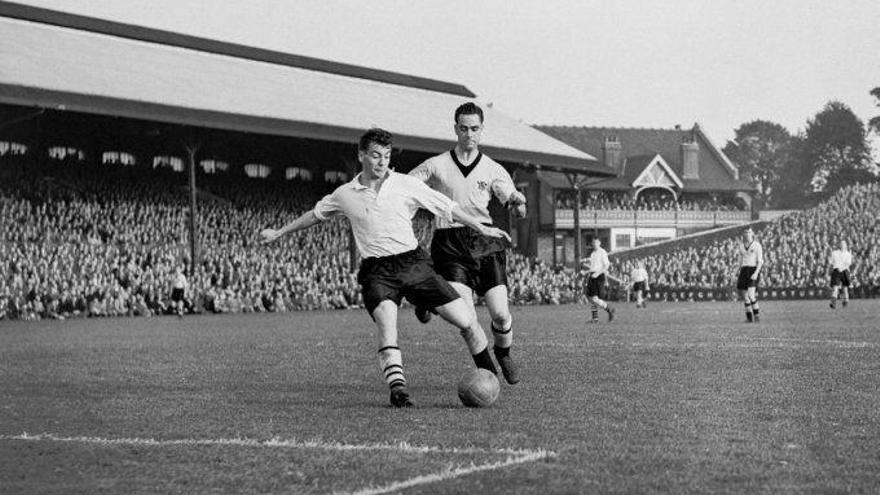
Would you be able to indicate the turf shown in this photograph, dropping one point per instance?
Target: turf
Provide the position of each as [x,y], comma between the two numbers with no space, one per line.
[677,398]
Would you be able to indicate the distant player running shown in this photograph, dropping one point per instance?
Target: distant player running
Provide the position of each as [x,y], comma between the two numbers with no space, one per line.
[599,265]
[751,261]
[471,262]
[639,279]
[380,205]
[840,260]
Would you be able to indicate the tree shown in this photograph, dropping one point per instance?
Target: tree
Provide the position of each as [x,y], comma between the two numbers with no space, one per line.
[835,148]
[762,150]
[874,123]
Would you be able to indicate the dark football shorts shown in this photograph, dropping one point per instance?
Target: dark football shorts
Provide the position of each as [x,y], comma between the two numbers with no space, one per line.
[465,256]
[177,294]
[744,279]
[639,286]
[408,275]
[595,286]
[839,278]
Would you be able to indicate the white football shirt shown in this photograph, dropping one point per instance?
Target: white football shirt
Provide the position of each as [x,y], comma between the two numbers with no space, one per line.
[382,223]
[841,260]
[639,275]
[599,262]
[752,255]
[471,186]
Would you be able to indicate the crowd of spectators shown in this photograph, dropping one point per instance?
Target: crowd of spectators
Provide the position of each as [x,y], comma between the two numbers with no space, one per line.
[649,200]
[796,248]
[97,240]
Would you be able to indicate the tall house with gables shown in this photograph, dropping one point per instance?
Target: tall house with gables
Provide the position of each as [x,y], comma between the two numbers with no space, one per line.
[667,183]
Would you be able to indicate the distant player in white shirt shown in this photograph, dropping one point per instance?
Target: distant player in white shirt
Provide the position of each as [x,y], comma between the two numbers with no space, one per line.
[471,262]
[751,261]
[178,291]
[380,204]
[840,261]
[599,265]
[639,279]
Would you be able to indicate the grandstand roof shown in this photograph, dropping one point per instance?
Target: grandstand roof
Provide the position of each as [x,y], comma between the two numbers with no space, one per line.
[638,146]
[70,62]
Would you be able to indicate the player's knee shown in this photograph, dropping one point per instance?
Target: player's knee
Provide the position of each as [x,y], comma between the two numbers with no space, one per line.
[503,320]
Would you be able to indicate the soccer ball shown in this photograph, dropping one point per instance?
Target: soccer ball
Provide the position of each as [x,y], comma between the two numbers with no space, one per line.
[478,388]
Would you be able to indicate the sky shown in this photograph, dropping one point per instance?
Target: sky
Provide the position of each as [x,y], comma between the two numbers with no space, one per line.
[621,63]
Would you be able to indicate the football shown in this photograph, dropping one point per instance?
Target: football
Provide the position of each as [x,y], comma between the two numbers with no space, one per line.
[478,388]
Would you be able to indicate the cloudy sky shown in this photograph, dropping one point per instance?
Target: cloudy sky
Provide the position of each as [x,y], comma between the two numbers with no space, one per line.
[619,63]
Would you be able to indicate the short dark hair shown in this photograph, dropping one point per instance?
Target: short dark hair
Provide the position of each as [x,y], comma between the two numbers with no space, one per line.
[469,108]
[375,135]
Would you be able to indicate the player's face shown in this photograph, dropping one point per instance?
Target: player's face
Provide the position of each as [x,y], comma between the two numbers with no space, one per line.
[469,129]
[375,161]
[748,236]
[843,245]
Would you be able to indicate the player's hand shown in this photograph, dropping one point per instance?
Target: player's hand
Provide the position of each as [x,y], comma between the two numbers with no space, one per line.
[269,235]
[495,232]
[754,276]
[519,211]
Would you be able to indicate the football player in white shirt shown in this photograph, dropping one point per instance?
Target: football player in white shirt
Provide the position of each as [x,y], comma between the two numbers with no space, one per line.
[840,260]
[473,263]
[599,265]
[380,204]
[639,278]
[751,260]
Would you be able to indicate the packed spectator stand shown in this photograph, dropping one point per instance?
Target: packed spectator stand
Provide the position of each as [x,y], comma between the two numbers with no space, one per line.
[796,250]
[83,239]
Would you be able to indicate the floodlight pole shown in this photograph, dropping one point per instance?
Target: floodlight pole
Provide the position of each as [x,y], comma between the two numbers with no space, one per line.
[193,241]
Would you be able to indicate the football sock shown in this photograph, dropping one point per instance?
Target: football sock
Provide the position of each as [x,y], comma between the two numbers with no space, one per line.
[755,308]
[391,364]
[748,306]
[503,338]
[483,360]
[595,311]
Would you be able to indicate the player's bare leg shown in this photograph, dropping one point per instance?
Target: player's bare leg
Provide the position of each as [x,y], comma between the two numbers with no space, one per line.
[390,357]
[462,315]
[747,302]
[599,303]
[834,293]
[753,298]
[502,331]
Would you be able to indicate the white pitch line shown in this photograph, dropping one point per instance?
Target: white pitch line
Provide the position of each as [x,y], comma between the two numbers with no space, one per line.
[514,456]
[274,442]
[452,473]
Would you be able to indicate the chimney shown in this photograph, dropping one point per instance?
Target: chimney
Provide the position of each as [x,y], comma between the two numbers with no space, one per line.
[612,152]
[690,157]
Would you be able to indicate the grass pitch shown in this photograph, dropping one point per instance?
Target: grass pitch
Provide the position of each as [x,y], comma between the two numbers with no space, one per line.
[677,398]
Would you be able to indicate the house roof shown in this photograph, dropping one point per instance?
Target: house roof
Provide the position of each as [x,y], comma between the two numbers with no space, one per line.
[58,60]
[639,146]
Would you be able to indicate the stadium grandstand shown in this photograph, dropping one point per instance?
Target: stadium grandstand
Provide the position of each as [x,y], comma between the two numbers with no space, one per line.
[667,183]
[128,152]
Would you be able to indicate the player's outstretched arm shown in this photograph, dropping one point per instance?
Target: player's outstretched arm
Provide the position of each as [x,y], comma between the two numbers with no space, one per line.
[460,216]
[304,221]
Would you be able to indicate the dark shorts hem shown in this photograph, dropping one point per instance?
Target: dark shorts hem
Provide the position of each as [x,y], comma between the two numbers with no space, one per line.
[744,279]
[409,275]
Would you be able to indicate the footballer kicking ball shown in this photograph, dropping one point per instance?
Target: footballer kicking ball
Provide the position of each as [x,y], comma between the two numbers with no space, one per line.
[478,388]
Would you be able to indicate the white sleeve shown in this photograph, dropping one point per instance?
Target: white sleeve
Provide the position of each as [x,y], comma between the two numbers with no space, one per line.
[436,202]
[327,207]
[502,184]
